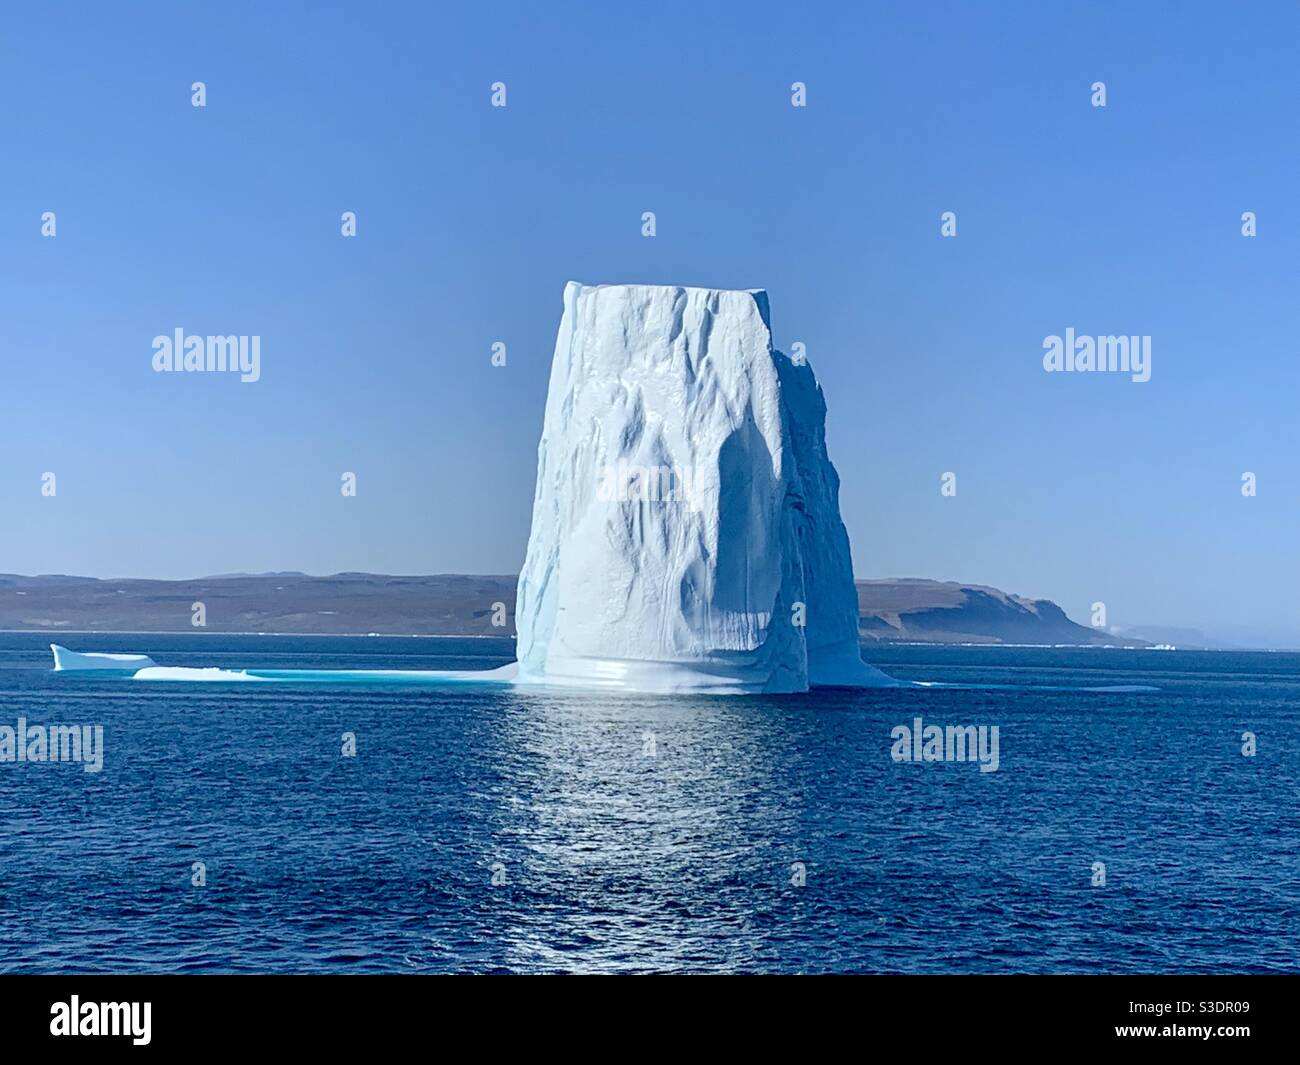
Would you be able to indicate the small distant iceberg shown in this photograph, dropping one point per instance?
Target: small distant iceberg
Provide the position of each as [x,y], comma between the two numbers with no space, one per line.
[66,661]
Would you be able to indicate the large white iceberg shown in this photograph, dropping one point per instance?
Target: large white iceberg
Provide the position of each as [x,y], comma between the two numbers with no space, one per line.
[686,533]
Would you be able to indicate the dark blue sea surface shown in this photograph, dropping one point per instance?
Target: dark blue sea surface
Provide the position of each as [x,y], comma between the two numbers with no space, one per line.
[640,833]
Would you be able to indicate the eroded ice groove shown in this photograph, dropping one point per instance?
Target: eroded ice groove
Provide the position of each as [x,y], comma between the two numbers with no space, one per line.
[742,580]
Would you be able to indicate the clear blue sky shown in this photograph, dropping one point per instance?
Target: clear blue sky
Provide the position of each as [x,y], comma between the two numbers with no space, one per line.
[375,350]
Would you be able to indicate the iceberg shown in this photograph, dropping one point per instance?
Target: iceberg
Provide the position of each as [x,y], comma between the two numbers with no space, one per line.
[686,534]
[66,661]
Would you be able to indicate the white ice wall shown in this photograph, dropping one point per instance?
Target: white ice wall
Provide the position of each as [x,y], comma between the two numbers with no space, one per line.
[699,592]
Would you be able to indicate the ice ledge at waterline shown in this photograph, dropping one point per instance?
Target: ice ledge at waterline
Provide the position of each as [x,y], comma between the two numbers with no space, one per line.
[686,534]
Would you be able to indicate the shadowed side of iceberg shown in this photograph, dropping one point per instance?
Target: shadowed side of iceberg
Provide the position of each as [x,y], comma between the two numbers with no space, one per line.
[813,497]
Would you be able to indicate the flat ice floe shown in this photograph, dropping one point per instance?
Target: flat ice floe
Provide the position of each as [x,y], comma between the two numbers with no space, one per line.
[213,675]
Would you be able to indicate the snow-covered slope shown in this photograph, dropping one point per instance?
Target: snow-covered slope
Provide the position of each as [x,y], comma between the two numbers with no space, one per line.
[686,532]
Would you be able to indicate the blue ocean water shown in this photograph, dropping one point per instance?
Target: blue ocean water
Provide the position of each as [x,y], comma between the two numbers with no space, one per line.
[636,833]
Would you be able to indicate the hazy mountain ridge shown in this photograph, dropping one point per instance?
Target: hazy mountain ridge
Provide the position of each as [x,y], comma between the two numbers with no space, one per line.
[916,610]
[895,610]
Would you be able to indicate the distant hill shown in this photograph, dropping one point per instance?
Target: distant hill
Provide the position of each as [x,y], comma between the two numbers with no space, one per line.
[922,611]
[446,604]
[919,611]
